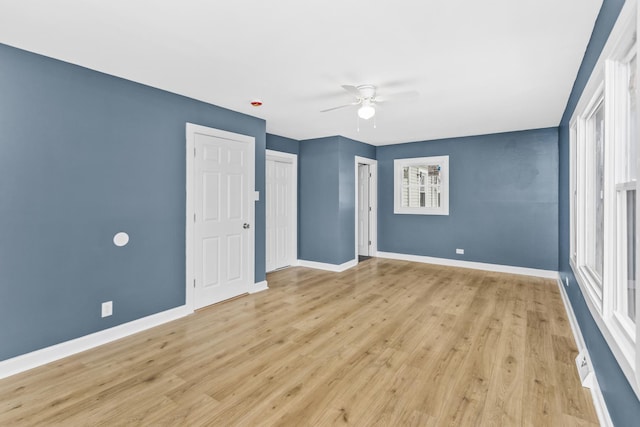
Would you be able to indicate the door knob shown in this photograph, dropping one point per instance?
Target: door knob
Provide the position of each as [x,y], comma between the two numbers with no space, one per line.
[246,225]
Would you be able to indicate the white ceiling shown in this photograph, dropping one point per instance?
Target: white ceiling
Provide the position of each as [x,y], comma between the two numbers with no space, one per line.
[480,66]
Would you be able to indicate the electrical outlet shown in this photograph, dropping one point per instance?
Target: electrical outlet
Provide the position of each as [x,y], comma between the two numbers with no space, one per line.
[107,308]
[460,251]
[584,369]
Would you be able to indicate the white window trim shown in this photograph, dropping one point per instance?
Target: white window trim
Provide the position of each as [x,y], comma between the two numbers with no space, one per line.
[590,277]
[399,164]
[615,328]
[573,132]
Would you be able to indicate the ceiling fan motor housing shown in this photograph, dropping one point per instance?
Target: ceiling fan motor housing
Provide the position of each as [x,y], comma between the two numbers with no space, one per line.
[367,91]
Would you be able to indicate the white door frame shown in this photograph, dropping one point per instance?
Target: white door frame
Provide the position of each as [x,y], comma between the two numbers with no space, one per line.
[191,129]
[293,159]
[363,210]
[373,202]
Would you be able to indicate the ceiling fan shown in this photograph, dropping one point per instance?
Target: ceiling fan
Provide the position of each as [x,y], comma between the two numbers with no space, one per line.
[367,100]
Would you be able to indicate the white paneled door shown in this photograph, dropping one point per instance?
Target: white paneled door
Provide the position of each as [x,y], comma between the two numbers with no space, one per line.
[280,214]
[223,214]
[364,208]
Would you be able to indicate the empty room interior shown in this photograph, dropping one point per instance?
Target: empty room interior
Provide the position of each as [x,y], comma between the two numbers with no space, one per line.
[319,213]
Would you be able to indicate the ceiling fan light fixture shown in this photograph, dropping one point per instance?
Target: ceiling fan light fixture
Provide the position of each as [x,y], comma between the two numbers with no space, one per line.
[366,111]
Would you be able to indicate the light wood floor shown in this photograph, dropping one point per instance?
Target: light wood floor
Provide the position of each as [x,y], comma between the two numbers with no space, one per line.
[386,343]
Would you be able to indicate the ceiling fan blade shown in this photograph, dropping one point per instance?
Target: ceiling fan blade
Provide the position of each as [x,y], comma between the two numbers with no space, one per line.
[337,108]
[410,95]
[352,90]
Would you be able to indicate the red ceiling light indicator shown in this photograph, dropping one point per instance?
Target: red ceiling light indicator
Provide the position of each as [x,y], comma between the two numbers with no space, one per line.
[256,103]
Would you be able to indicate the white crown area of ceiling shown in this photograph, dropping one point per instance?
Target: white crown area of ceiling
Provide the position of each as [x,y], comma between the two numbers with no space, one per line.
[479,67]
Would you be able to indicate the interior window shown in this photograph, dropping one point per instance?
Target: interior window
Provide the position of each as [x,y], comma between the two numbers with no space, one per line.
[422,186]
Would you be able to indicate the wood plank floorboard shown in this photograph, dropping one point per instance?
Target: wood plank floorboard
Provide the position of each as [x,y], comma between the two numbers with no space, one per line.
[386,343]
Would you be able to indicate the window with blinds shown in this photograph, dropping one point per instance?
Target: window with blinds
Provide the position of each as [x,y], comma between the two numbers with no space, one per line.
[422,186]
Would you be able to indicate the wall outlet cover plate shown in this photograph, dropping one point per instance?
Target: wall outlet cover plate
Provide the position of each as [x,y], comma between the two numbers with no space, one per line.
[107,308]
[584,369]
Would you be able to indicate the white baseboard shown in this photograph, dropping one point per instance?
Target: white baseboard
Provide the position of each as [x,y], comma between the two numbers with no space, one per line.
[573,322]
[259,287]
[50,354]
[596,393]
[329,267]
[548,274]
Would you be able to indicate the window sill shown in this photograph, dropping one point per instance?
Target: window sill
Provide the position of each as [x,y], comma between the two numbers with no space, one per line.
[420,211]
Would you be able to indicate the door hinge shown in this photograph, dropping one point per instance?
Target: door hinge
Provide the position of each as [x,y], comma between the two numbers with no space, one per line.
[369,175]
[369,208]
[194,217]
[369,242]
[194,283]
[194,151]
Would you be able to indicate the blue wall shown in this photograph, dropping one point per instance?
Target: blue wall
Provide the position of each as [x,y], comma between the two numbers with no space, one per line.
[280,143]
[622,403]
[84,155]
[503,205]
[318,189]
[326,197]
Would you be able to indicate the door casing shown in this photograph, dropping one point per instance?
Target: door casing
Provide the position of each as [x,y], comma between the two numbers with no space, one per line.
[293,160]
[373,202]
[363,209]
